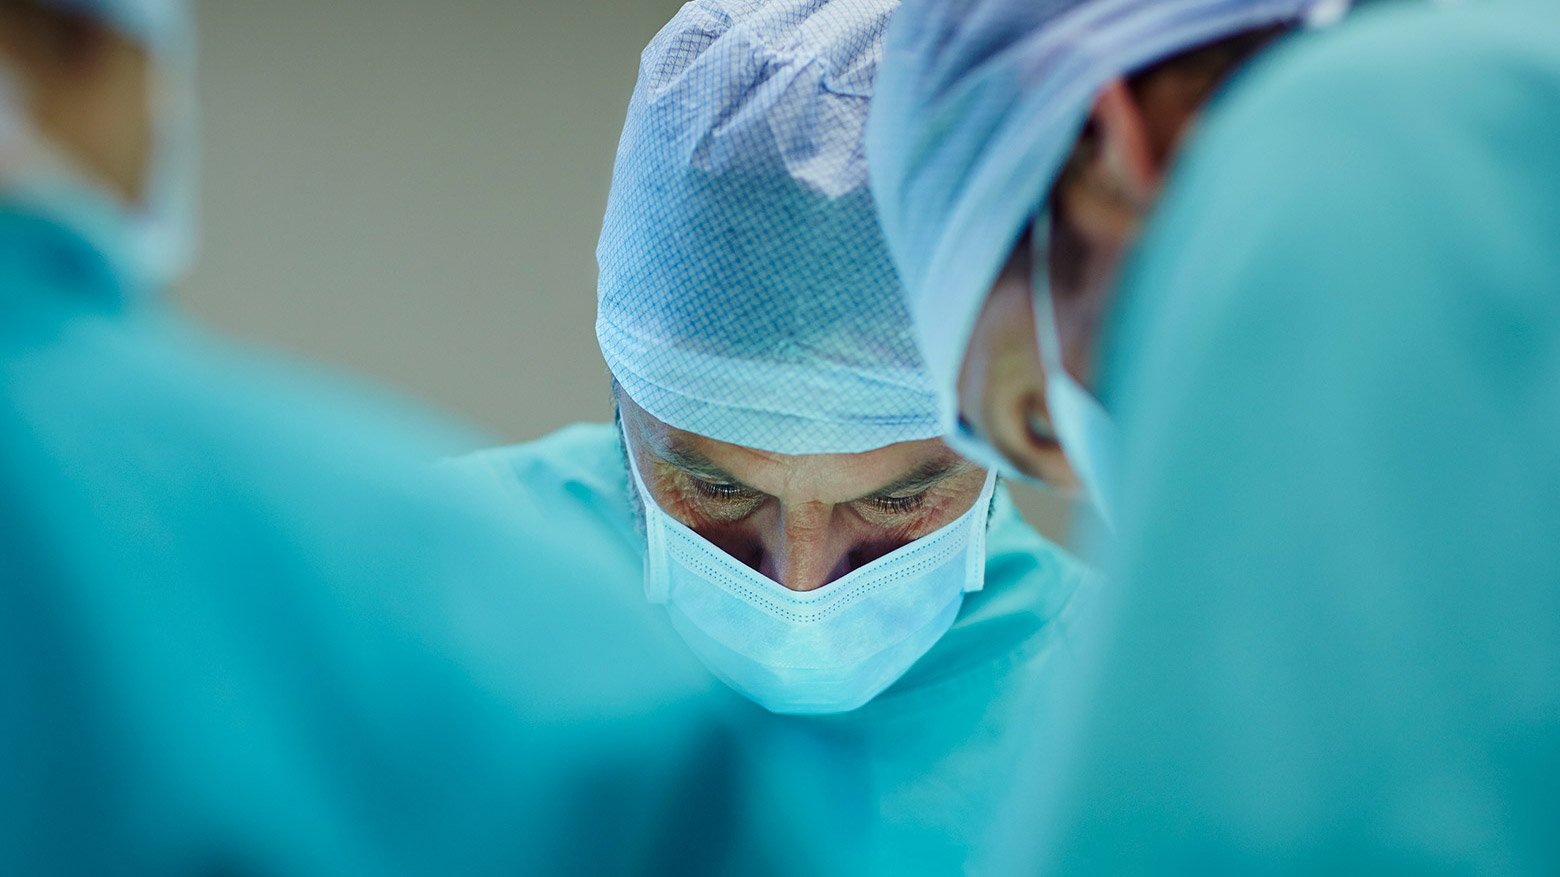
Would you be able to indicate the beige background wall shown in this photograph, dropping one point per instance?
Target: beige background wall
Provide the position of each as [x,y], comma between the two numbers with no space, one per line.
[411,191]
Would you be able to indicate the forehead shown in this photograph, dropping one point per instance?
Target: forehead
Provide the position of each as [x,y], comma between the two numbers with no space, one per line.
[826,478]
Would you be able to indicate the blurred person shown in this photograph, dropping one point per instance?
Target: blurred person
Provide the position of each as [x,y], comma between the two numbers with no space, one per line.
[1333,637]
[1016,149]
[775,479]
[1340,347]
[239,633]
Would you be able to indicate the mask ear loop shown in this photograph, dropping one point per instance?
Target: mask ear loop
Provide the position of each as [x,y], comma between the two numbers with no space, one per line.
[1086,432]
[658,588]
[975,559]
[1046,332]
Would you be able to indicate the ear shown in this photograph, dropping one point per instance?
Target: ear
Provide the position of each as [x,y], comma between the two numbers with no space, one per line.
[1126,142]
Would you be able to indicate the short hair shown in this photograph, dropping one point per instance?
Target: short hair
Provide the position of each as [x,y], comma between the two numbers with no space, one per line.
[1216,62]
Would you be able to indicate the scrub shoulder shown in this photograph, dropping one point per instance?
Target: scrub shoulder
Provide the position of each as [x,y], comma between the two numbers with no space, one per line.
[225,565]
[1405,105]
[1350,264]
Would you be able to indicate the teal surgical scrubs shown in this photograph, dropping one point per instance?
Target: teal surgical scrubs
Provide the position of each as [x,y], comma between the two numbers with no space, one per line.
[244,631]
[926,765]
[1336,640]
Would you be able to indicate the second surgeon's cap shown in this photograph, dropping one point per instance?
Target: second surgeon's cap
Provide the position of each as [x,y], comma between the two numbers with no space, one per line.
[746,293]
[979,105]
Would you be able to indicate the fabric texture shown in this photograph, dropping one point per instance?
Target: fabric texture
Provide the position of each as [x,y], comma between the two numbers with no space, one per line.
[1349,656]
[746,293]
[240,634]
[978,106]
[925,766]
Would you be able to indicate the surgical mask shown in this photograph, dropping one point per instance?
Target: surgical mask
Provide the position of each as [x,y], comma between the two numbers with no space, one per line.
[830,650]
[1081,426]
[151,243]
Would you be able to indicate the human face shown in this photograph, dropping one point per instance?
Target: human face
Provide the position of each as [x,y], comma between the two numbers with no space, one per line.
[801,520]
[1002,384]
[1093,219]
[88,89]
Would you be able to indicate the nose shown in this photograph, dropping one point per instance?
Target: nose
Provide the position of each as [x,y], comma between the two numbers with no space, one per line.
[807,551]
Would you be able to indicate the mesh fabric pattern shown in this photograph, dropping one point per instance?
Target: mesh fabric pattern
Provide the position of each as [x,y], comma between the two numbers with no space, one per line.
[745,290]
[978,106]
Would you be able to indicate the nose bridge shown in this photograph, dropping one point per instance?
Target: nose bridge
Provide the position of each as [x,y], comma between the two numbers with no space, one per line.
[811,550]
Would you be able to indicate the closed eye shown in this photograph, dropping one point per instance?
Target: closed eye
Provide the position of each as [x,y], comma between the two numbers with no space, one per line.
[722,491]
[899,505]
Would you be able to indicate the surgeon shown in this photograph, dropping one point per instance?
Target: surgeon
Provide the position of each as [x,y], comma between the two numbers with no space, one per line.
[1334,360]
[238,633]
[774,483]
[1016,149]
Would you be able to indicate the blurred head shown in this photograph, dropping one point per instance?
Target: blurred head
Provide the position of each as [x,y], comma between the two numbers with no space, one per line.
[85,87]
[1105,190]
[808,532]
[1016,148]
[749,310]
[97,126]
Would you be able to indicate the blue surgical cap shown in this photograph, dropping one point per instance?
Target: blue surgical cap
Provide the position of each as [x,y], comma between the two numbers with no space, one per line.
[746,292]
[164,26]
[978,107]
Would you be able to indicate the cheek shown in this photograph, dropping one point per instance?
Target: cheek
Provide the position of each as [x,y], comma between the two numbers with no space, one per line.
[695,510]
[735,532]
[1077,322]
[1057,472]
[956,503]
[676,502]
[124,124]
[944,506]
[1003,364]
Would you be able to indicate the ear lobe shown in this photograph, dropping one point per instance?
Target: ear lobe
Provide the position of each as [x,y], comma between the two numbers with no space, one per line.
[1126,147]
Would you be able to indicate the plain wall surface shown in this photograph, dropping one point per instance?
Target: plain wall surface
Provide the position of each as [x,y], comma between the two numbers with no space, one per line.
[412,191]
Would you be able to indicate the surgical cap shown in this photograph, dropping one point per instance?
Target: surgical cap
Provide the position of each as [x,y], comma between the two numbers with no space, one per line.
[979,105]
[746,293]
[164,26]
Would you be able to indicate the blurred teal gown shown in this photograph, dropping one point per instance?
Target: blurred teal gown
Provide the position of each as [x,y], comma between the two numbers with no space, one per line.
[239,636]
[1337,638]
[930,759]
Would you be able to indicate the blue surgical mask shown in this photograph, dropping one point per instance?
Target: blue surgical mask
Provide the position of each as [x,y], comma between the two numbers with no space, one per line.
[1085,431]
[830,650]
[1083,428]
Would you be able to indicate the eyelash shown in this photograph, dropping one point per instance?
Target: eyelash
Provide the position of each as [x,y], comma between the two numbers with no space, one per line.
[899,505]
[722,492]
[895,505]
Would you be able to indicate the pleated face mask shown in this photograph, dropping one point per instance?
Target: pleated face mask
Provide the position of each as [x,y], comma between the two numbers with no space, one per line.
[828,650]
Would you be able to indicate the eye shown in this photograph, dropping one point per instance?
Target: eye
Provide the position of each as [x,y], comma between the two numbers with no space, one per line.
[899,505]
[722,491]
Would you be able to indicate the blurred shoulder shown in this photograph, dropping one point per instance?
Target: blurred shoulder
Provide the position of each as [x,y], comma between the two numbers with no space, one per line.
[1017,553]
[579,468]
[1008,636]
[1404,59]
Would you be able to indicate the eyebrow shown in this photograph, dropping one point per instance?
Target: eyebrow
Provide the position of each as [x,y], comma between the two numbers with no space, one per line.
[923,477]
[697,465]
